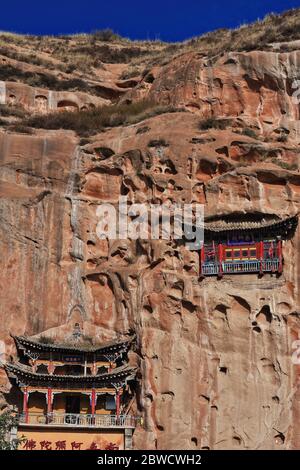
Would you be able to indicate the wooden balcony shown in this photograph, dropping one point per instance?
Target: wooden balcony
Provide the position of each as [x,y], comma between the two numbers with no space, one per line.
[239,267]
[77,420]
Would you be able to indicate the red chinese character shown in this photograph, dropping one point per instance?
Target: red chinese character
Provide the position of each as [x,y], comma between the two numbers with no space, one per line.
[30,444]
[112,446]
[46,445]
[76,445]
[93,446]
[60,445]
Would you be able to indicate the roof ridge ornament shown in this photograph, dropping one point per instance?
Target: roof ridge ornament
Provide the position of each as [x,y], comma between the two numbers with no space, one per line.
[76,335]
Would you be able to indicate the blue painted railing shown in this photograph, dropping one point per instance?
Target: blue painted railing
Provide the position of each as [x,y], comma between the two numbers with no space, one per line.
[238,267]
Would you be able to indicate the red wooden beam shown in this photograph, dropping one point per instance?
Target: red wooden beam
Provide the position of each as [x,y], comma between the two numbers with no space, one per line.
[279,251]
[93,404]
[25,404]
[49,401]
[261,255]
[118,403]
[220,253]
[202,259]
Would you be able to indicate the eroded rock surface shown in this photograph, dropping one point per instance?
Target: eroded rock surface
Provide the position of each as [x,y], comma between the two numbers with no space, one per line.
[214,355]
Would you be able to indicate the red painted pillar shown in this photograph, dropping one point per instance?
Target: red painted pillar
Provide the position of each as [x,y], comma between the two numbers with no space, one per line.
[118,403]
[93,404]
[279,251]
[261,246]
[202,259]
[25,404]
[49,404]
[220,253]
[49,400]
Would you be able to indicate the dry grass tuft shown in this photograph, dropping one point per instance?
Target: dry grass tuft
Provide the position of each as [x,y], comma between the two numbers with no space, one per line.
[91,121]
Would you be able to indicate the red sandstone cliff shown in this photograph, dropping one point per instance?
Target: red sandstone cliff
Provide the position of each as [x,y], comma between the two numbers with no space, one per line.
[214,355]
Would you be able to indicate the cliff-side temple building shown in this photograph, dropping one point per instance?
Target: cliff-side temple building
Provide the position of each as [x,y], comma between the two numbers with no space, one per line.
[237,246]
[72,397]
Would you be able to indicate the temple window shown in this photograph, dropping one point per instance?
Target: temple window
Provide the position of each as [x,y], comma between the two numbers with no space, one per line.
[67,105]
[110,402]
[41,103]
[73,404]
[235,247]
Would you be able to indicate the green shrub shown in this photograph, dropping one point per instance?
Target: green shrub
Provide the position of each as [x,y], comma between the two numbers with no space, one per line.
[129,73]
[16,111]
[213,123]
[8,421]
[91,121]
[43,80]
[20,128]
[158,143]
[254,36]
[143,130]
[106,35]
[249,133]
[285,165]
[32,58]
[107,54]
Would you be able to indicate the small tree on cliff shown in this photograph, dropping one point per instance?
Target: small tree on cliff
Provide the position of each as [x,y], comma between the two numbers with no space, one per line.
[8,421]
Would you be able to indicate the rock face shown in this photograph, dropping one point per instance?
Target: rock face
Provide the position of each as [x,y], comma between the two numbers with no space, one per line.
[215,356]
[41,101]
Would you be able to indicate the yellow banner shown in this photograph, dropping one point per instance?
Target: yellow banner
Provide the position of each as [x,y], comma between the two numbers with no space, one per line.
[58,439]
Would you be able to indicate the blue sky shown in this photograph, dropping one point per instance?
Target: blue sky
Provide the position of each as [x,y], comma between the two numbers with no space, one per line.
[169,20]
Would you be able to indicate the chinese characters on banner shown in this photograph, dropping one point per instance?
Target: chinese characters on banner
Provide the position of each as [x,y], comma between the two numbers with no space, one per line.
[31,444]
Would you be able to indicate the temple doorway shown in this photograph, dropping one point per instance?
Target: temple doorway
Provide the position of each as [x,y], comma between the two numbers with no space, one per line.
[72,404]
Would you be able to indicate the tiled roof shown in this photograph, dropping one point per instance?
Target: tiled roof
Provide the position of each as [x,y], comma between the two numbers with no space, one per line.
[224,226]
[34,345]
[24,374]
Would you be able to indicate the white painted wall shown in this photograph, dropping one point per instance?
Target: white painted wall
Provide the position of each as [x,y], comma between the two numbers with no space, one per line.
[2,352]
[2,92]
[51,100]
